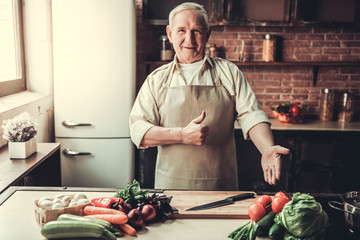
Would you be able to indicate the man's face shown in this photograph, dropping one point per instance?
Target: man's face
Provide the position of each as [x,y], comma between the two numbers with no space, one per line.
[188,35]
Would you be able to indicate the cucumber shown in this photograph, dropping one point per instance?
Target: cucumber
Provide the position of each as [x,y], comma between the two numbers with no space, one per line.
[104,223]
[72,217]
[262,227]
[75,229]
[276,231]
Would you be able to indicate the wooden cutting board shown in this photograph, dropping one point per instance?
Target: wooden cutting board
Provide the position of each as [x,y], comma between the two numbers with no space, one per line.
[183,200]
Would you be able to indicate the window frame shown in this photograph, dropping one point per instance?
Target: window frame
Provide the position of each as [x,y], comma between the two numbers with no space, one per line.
[13,86]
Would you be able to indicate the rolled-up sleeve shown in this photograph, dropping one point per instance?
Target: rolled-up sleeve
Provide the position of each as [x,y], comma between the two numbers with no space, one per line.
[249,113]
[144,114]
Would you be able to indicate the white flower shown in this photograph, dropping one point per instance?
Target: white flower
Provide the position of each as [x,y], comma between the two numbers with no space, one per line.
[20,129]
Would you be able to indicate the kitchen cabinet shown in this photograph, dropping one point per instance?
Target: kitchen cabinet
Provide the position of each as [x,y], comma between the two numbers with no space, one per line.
[40,169]
[258,12]
[263,12]
[329,12]
[326,162]
[156,12]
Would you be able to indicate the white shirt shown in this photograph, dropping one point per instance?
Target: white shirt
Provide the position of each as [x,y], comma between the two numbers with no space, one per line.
[191,72]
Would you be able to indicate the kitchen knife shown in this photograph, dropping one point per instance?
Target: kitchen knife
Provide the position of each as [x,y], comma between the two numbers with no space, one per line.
[226,201]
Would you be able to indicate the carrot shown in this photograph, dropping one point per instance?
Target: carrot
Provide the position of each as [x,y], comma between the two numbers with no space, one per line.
[91,210]
[111,218]
[127,229]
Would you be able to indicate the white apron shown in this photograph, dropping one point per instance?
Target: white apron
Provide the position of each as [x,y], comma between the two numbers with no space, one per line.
[211,166]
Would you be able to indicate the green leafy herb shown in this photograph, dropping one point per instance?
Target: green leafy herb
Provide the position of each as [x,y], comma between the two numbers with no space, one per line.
[132,192]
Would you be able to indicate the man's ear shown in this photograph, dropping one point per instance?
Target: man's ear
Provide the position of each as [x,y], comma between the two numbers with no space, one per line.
[169,32]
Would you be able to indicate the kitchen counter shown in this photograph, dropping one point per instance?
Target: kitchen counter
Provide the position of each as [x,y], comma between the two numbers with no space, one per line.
[17,218]
[313,125]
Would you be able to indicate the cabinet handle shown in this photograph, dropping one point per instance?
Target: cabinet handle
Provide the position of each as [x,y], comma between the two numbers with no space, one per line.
[70,124]
[69,152]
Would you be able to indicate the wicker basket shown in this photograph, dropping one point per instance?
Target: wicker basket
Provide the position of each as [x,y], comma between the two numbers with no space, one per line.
[43,216]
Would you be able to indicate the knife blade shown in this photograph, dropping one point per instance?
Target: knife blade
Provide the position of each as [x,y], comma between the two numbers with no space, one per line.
[226,201]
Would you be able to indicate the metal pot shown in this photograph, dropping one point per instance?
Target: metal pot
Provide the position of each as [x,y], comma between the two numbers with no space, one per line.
[351,208]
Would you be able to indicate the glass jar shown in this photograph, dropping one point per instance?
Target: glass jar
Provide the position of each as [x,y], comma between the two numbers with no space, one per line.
[327,105]
[166,53]
[269,48]
[346,108]
[213,51]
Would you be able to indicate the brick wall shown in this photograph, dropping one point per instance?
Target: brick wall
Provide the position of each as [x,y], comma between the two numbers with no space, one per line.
[273,85]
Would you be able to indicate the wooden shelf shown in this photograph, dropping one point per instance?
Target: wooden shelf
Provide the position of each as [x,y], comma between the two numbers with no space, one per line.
[281,64]
[314,65]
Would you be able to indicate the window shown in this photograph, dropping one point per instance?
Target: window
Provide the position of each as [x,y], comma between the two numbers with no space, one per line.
[12,77]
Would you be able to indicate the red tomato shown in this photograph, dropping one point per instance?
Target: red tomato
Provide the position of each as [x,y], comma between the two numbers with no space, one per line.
[256,212]
[265,201]
[281,194]
[295,109]
[278,203]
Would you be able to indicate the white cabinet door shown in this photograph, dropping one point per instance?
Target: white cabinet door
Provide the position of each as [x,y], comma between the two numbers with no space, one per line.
[101,163]
[94,66]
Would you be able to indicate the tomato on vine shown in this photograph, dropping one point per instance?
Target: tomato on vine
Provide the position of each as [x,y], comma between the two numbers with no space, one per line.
[279,201]
[265,201]
[256,212]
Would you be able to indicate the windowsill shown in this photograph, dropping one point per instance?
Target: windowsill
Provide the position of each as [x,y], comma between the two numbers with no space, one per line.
[16,100]
[19,102]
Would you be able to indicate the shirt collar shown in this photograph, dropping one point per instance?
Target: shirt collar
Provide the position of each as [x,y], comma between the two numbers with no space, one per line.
[207,61]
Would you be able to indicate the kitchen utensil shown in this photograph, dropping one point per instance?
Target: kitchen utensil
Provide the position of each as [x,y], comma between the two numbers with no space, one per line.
[351,208]
[224,202]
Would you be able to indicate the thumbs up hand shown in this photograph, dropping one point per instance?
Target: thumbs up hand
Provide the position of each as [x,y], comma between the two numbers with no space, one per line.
[195,133]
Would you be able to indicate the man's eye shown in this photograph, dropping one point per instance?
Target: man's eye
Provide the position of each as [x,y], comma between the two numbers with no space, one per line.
[181,30]
[197,31]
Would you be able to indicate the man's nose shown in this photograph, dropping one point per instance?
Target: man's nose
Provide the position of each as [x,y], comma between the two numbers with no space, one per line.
[189,37]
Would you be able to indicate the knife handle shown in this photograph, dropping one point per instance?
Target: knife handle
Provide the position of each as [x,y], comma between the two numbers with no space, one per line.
[241,196]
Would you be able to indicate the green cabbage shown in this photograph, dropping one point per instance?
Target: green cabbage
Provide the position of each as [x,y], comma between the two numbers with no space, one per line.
[303,217]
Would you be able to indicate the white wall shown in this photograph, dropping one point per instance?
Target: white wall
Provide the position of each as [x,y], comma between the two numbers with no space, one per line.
[39,75]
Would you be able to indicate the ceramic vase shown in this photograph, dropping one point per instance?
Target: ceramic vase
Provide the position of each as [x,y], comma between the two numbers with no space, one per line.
[22,150]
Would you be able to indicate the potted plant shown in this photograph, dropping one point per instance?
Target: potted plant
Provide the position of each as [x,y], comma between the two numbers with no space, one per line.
[21,132]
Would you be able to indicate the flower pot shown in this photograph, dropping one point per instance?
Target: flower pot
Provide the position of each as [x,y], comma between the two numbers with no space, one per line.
[22,150]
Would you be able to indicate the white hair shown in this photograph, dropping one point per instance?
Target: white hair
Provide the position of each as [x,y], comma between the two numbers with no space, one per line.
[190,6]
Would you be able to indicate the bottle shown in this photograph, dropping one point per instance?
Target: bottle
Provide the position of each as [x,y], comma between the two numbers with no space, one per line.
[269,49]
[327,105]
[346,108]
[212,51]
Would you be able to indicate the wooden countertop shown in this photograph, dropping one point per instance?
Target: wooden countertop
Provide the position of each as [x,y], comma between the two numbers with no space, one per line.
[13,218]
[11,171]
[314,125]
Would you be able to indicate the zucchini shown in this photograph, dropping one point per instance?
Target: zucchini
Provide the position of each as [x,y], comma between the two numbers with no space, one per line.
[72,217]
[262,227]
[75,229]
[276,231]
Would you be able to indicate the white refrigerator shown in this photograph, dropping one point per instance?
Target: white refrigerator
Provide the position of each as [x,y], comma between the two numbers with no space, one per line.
[94,88]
